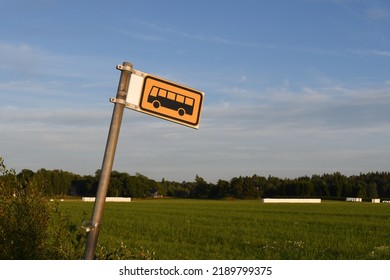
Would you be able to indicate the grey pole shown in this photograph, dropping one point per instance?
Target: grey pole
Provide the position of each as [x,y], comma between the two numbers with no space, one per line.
[94,227]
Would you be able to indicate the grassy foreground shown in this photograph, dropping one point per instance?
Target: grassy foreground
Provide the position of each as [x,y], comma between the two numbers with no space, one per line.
[206,229]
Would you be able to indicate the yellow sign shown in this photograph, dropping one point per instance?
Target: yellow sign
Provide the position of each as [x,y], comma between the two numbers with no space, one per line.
[171,101]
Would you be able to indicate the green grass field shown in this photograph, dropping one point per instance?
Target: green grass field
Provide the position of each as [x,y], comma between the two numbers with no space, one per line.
[206,229]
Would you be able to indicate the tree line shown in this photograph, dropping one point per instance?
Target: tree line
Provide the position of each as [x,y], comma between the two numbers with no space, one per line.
[332,186]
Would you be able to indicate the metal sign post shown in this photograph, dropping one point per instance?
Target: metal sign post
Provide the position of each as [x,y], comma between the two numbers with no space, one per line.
[151,95]
[120,101]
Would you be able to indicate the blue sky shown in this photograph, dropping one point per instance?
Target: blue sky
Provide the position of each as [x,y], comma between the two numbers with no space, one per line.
[292,88]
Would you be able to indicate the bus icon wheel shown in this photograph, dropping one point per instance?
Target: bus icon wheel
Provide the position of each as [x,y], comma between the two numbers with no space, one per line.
[156,104]
[181,111]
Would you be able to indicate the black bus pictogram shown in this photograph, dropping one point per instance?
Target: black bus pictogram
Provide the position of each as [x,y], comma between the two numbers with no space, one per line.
[171,100]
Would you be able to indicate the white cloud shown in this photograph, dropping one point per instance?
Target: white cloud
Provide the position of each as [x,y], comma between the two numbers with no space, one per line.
[29,85]
[314,132]
[368,52]
[50,138]
[28,61]
[381,53]
[378,13]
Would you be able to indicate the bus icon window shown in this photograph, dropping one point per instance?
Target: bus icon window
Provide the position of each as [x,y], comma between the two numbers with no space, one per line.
[171,100]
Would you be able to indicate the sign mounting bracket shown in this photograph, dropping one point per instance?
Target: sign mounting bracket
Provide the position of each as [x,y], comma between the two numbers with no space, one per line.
[120,101]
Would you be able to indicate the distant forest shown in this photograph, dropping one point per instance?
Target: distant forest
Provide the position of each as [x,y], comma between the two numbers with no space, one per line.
[57,183]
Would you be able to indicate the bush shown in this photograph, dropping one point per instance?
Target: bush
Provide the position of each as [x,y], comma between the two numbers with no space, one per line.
[33,228]
[24,219]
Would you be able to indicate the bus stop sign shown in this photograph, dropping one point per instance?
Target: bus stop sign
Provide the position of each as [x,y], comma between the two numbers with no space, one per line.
[165,99]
